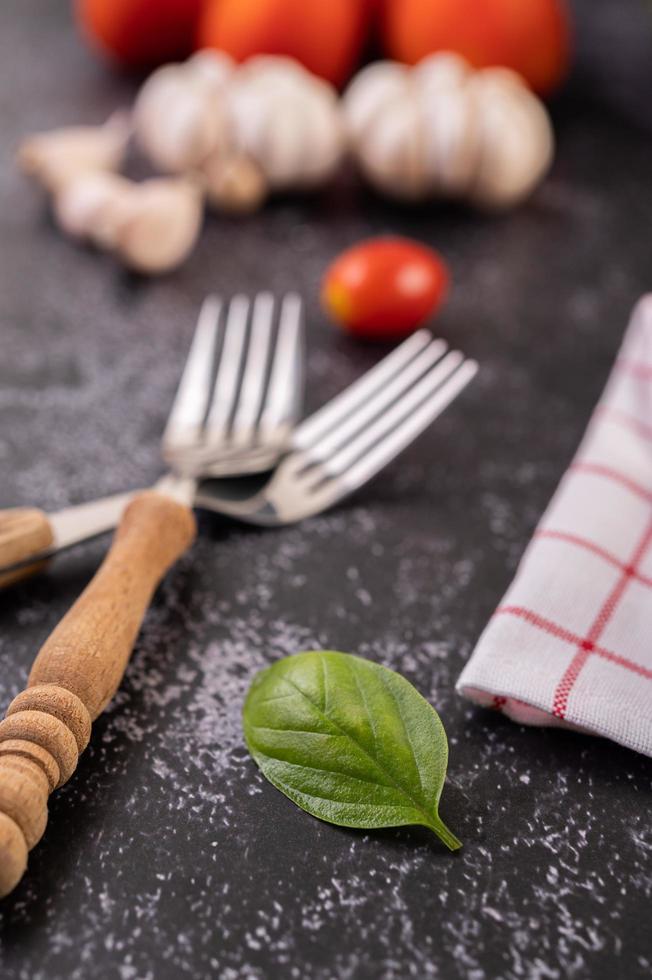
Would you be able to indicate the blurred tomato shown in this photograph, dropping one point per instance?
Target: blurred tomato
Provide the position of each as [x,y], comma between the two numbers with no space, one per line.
[530,36]
[141,33]
[384,288]
[326,36]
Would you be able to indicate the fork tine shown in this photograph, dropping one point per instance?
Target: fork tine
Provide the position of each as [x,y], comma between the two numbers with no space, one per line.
[430,398]
[283,398]
[253,379]
[340,407]
[381,402]
[191,401]
[345,457]
[229,368]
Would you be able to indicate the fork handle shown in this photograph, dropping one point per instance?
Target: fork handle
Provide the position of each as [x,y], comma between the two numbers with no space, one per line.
[78,670]
[24,531]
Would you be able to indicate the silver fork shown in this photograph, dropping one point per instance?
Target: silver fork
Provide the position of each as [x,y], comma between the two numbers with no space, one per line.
[342,446]
[240,395]
[334,452]
[241,390]
[79,667]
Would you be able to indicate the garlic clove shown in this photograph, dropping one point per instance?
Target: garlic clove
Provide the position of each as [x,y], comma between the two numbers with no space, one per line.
[247,111]
[79,204]
[517,144]
[368,95]
[177,119]
[151,226]
[444,70]
[283,156]
[235,184]
[285,120]
[162,225]
[324,133]
[117,209]
[212,69]
[450,133]
[392,155]
[305,140]
[59,156]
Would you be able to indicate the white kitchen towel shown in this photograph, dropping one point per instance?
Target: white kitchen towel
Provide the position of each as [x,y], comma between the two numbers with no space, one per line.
[571,642]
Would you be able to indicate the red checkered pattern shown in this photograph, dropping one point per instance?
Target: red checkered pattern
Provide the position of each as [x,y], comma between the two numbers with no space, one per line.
[571,643]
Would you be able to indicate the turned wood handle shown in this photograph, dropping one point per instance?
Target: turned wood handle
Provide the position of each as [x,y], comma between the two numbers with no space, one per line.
[24,531]
[78,670]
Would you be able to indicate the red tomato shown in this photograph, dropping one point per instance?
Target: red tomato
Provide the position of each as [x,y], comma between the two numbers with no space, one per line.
[530,36]
[141,33]
[326,36]
[384,288]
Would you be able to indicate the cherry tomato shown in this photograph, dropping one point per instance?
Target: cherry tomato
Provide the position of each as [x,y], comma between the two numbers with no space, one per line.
[141,33]
[384,288]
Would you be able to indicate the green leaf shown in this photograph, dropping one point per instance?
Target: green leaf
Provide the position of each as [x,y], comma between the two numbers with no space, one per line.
[351,742]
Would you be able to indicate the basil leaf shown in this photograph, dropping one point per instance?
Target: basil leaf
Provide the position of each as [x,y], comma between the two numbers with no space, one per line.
[351,742]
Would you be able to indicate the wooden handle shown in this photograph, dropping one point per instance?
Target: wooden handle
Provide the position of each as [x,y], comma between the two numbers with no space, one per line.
[78,670]
[24,531]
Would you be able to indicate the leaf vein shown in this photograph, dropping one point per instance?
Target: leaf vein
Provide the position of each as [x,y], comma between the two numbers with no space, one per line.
[294,731]
[405,730]
[363,696]
[339,772]
[277,697]
[324,683]
[393,781]
[329,799]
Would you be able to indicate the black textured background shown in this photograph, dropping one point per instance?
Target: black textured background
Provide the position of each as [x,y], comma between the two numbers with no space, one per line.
[167,856]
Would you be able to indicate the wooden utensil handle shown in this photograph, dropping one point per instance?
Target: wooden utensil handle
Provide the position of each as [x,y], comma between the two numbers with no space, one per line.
[24,531]
[78,670]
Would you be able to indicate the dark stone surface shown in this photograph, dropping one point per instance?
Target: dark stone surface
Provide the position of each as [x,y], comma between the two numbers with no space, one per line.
[167,856]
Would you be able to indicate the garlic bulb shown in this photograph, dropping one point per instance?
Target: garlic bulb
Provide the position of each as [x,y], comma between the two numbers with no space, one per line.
[263,126]
[56,157]
[286,120]
[151,226]
[443,129]
[178,114]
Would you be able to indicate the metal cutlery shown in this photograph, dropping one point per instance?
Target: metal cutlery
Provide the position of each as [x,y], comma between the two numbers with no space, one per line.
[241,391]
[342,446]
[240,395]
[333,453]
[81,664]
